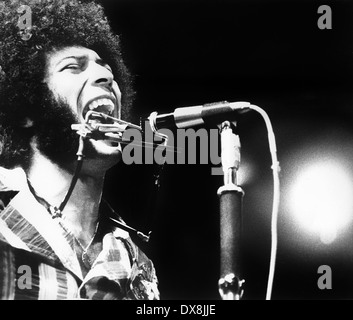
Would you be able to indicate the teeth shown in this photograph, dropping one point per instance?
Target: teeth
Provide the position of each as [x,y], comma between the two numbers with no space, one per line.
[93,105]
[107,103]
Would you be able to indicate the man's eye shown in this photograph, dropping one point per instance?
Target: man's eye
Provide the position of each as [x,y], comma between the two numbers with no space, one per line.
[109,68]
[72,66]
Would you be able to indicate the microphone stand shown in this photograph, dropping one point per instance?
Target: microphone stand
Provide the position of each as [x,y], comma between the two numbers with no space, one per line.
[230,285]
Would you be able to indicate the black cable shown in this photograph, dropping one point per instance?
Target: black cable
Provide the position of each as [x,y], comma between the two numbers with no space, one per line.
[72,185]
[80,157]
[56,212]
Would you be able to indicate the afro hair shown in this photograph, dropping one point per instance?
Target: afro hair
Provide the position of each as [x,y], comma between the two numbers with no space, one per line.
[55,24]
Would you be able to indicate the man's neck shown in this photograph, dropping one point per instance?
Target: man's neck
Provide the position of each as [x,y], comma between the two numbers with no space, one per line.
[51,183]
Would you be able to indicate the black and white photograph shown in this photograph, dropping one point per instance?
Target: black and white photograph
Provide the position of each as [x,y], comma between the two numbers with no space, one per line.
[192,151]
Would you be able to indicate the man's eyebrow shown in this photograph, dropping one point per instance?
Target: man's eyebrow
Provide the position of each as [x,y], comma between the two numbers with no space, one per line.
[71,57]
[83,57]
[102,62]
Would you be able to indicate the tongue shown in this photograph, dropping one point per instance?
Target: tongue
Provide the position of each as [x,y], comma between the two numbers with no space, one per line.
[99,118]
[101,109]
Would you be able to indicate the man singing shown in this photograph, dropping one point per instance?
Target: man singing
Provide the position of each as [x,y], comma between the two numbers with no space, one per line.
[58,236]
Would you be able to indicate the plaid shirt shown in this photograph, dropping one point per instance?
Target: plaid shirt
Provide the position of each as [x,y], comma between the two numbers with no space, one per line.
[37,259]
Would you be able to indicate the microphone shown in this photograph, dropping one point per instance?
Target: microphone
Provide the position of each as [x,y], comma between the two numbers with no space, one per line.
[207,114]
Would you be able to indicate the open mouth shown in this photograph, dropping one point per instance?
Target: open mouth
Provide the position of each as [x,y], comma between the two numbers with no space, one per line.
[100,107]
[97,112]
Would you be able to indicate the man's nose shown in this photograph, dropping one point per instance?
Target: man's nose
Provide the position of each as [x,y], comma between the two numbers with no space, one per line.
[101,76]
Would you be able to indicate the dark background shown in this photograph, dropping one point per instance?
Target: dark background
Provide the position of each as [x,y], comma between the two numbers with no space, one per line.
[272,54]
